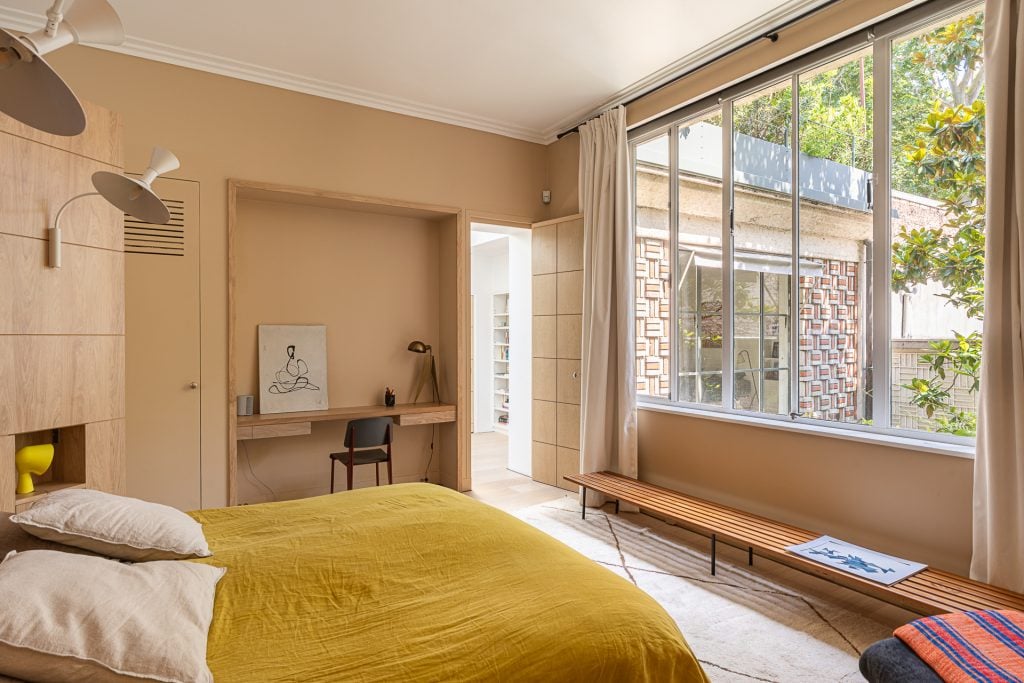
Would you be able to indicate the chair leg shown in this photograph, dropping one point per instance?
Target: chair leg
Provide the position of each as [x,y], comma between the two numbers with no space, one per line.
[376,470]
[389,471]
[349,473]
[332,475]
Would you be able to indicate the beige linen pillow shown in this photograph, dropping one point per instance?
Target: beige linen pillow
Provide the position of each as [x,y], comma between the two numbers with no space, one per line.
[67,617]
[116,526]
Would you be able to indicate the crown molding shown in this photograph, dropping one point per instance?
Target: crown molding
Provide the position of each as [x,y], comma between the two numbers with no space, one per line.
[193,59]
[202,61]
[690,62]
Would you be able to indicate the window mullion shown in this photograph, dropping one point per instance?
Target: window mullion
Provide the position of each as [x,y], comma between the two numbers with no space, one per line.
[674,343]
[794,280]
[727,257]
[881,404]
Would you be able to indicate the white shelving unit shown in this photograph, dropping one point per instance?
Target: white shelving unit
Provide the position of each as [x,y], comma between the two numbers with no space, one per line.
[501,364]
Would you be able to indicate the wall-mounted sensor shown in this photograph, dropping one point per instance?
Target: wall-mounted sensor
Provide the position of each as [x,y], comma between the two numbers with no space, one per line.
[545,196]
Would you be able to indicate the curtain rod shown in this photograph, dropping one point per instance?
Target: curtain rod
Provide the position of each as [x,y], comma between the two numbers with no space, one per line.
[772,35]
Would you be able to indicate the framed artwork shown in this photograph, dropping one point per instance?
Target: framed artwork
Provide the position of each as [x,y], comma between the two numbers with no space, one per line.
[293,368]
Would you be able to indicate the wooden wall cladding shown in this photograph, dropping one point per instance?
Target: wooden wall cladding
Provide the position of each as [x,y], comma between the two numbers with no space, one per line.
[36,180]
[105,463]
[557,345]
[56,381]
[8,476]
[85,296]
[61,330]
[100,141]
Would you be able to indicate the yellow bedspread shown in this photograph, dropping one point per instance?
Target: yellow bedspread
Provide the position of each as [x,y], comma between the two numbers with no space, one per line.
[415,582]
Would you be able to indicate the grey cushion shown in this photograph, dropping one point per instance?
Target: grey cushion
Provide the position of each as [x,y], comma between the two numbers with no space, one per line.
[890,661]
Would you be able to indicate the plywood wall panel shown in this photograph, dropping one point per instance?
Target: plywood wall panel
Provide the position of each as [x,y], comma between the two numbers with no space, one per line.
[85,296]
[105,456]
[35,181]
[56,381]
[101,139]
[8,478]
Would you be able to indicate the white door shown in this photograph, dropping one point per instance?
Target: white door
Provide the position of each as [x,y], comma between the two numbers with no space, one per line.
[163,385]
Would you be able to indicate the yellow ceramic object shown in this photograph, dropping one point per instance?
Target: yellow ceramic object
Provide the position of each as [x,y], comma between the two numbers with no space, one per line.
[32,460]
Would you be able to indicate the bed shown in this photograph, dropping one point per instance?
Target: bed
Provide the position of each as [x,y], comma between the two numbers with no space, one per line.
[416,582]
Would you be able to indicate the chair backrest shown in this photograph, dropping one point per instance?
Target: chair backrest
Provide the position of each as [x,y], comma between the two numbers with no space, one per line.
[368,432]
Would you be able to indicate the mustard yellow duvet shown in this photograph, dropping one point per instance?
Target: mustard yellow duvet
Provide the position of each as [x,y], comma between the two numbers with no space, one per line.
[415,582]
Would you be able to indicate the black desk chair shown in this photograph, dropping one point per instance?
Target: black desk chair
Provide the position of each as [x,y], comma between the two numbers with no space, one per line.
[364,439]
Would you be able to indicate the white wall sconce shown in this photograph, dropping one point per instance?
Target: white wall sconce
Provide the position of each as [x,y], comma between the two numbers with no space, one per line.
[133,196]
[30,90]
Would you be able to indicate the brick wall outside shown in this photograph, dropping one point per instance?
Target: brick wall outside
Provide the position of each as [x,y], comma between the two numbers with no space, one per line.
[653,316]
[906,365]
[829,329]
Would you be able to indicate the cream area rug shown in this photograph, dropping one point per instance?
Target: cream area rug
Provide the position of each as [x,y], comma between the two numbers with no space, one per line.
[761,623]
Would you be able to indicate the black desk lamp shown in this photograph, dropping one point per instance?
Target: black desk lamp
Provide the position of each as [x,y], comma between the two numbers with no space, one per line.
[428,368]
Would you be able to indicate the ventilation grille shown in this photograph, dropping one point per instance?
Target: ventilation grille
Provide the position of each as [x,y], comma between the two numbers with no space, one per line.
[141,237]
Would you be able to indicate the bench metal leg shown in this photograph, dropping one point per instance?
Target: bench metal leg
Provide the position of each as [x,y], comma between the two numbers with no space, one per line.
[714,544]
[750,556]
[616,507]
[584,502]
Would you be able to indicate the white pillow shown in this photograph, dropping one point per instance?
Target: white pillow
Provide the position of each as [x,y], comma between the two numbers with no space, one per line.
[67,617]
[116,526]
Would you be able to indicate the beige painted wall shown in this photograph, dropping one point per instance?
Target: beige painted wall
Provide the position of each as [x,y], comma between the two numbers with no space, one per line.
[372,279]
[564,176]
[223,128]
[909,503]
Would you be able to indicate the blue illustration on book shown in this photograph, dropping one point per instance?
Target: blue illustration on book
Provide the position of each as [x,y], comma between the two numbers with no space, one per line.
[852,561]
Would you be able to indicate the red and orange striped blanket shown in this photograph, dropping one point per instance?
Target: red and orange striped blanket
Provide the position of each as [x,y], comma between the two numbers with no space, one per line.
[974,647]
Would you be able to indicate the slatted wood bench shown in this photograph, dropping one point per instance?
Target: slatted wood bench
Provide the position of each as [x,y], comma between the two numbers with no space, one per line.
[931,591]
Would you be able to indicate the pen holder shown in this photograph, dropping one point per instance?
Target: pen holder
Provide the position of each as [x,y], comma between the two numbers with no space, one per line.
[389,400]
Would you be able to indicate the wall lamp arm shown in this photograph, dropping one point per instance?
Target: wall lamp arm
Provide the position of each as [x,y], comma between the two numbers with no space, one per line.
[54,234]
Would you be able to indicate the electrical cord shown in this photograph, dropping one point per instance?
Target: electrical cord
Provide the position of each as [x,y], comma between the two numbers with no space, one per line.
[248,464]
[426,472]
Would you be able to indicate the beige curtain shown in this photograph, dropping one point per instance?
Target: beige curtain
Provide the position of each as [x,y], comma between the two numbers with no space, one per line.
[608,409]
[999,464]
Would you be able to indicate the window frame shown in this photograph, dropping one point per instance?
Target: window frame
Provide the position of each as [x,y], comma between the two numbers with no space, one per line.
[879,39]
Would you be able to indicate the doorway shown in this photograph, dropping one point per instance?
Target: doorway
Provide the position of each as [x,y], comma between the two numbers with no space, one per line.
[502,341]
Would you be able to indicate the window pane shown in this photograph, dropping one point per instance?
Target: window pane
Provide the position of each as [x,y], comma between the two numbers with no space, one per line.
[700,250]
[762,243]
[937,225]
[653,278]
[836,229]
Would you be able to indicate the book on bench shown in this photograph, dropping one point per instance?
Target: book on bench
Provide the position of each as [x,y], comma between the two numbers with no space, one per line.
[853,559]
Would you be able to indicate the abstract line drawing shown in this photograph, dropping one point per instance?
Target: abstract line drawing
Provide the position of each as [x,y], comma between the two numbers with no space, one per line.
[294,376]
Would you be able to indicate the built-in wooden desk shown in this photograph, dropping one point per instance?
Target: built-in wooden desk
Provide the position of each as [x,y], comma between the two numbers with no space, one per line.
[296,424]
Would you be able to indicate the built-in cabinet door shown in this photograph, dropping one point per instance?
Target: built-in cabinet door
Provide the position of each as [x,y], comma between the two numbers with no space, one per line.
[557,343]
[163,384]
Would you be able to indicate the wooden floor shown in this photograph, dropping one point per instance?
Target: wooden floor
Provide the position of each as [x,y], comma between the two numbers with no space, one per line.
[495,484]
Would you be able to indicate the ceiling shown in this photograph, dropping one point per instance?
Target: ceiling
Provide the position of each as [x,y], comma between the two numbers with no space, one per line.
[524,68]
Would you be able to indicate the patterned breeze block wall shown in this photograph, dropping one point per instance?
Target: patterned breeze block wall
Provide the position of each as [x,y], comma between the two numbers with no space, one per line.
[653,287]
[829,356]
[829,363]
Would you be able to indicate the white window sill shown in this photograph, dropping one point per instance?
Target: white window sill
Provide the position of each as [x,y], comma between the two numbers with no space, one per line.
[923,445]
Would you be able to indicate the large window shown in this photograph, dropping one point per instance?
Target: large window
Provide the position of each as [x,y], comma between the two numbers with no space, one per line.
[810,245]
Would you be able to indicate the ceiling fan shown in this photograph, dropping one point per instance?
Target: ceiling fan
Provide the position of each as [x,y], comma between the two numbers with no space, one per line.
[30,90]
